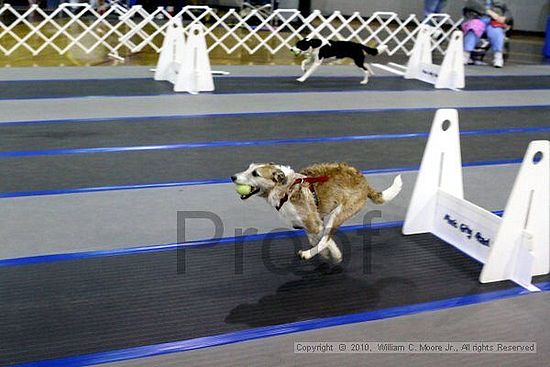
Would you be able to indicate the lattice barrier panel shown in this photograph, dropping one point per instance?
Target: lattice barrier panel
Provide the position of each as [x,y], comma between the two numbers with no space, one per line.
[120,31]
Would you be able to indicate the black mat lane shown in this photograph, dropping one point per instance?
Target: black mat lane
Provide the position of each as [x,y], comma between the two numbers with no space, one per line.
[236,85]
[76,307]
[130,168]
[160,131]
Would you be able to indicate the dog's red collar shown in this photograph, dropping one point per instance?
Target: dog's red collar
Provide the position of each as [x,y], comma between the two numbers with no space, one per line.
[299,181]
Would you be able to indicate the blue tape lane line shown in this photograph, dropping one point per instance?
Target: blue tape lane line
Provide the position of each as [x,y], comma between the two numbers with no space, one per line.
[76,80]
[115,188]
[219,144]
[265,332]
[172,246]
[217,181]
[237,76]
[420,89]
[233,76]
[261,113]
[191,244]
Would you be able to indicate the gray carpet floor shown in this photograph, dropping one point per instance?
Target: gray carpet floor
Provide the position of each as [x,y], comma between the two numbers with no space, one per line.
[52,224]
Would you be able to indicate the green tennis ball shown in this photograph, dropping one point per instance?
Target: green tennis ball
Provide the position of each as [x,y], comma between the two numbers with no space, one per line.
[243,189]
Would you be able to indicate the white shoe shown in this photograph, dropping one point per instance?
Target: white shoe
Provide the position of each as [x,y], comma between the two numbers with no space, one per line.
[498,60]
[483,43]
[467,58]
[436,34]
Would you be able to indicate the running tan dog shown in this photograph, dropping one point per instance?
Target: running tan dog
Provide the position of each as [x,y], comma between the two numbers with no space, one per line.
[328,192]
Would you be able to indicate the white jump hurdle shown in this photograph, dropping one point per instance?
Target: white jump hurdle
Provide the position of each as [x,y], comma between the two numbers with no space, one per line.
[514,247]
[185,62]
[450,74]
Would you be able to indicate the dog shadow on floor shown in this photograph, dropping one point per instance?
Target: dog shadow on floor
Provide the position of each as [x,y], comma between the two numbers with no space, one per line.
[322,292]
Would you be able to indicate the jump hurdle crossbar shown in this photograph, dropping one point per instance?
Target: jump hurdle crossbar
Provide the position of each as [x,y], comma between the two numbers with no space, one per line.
[514,247]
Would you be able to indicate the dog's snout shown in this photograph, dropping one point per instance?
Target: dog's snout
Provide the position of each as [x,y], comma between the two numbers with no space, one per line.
[233,178]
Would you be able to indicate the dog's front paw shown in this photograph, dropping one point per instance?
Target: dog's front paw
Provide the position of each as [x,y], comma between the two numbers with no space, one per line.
[301,80]
[304,255]
[364,82]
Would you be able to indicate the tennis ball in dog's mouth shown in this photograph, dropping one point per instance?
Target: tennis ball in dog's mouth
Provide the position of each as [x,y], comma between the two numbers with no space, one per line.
[243,189]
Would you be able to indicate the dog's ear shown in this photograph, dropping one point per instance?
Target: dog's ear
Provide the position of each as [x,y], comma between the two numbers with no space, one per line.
[278,176]
[315,43]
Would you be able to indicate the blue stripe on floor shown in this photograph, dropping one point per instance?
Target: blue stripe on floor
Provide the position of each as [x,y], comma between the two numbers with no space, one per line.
[172,246]
[199,243]
[433,92]
[159,185]
[247,143]
[419,88]
[261,113]
[295,327]
[229,76]
[237,76]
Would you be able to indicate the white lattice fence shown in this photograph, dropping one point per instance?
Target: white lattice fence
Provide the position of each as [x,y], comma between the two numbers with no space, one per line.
[121,30]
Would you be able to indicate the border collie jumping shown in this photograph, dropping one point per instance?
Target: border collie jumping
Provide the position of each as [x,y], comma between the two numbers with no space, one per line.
[317,54]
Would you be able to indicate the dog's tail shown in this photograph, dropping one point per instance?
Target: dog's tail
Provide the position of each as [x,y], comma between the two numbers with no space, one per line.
[388,194]
[375,51]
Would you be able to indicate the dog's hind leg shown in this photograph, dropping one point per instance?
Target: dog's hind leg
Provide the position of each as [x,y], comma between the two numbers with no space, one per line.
[335,219]
[326,240]
[369,69]
[365,78]
[314,239]
[360,62]
[334,251]
[314,230]
[368,73]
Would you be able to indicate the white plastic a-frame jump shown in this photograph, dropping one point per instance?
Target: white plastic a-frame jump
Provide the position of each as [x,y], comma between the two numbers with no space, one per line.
[451,72]
[185,63]
[514,247]
[171,53]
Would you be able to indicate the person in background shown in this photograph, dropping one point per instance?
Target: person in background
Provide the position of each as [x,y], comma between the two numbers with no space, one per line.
[485,16]
[434,6]
[174,6]
[52,4]
[33,2]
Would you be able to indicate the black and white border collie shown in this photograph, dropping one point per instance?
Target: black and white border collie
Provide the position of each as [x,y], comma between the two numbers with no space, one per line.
[318,53]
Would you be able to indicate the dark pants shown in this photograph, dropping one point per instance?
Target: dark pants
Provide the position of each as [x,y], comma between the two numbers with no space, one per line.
[305,7]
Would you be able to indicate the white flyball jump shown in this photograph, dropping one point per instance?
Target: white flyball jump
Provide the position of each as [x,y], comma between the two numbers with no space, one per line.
[450,74]
[514,247]
[185,62]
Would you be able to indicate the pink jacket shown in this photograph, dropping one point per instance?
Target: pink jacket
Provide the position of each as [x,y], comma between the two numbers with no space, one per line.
[475,25]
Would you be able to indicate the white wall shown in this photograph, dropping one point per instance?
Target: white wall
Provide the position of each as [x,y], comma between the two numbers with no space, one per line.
[529,15]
